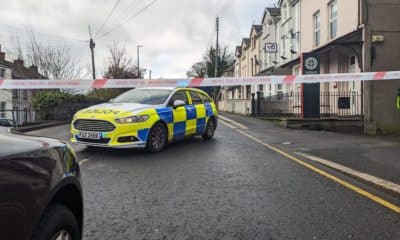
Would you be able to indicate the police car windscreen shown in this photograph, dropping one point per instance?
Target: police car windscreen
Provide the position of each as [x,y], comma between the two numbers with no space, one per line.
[144,96]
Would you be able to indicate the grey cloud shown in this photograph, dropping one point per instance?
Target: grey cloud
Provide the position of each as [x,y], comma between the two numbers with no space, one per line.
[174,33]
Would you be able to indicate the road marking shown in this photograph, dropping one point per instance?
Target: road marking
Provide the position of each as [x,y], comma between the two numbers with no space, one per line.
[83,161]
[227,124]
[366,177]
[233,122]
[344,183]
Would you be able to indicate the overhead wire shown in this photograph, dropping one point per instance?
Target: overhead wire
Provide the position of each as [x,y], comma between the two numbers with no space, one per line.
[129,19]
[107,18]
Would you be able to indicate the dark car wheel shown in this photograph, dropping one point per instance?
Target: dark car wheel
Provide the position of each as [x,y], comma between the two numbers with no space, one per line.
[210,129]
[57,223]
[157,138]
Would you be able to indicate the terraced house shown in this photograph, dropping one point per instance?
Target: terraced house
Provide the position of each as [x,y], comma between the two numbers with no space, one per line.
[348,36]
[16,105]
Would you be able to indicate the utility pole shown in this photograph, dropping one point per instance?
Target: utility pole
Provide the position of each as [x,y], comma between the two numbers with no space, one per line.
[138,61]
[217,47]
[92,45]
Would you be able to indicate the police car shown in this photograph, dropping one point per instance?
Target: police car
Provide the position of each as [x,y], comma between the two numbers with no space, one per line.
[146,118]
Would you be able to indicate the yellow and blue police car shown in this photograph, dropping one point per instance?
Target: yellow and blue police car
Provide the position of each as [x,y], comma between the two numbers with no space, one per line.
[146,118]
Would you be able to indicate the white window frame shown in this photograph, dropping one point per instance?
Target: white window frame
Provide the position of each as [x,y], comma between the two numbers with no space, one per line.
[3,106]
[333,5]
[284,11]
[317,28]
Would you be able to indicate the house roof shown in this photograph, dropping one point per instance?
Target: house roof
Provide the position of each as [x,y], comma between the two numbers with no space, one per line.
[273,12]
[19,71]
[257,28]
[245,42]
[238,51]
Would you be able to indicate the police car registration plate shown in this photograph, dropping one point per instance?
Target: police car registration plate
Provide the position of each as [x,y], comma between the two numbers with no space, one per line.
[89,135]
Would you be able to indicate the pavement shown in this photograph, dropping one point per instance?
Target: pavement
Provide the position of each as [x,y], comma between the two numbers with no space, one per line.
[244,184]
[376,155]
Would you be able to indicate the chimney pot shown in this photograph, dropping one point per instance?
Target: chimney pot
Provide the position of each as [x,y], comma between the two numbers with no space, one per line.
[34,68]
[19,62]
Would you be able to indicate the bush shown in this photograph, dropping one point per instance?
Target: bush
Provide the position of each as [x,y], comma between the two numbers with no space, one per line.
[51,105]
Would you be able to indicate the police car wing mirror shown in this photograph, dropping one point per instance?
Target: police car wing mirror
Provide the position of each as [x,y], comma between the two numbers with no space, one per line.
[179,103]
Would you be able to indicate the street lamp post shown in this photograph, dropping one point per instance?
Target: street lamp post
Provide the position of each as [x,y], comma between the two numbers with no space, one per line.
[138,61]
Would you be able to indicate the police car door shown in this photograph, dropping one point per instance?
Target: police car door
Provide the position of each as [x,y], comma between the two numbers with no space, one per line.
[197,115]
[178,129]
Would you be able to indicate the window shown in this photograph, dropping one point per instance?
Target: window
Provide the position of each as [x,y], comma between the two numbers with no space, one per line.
[2,72]
[180,95]
[16,113]
[292,41]
[15,93]
[25,114]
[284,12]
[240,93]
[205,98]
[195,98]
[333,14]
[248,92]
[317,29]
[25,94]
[283,46]
[3,109]
[352,60]
[261,88]
[279,87]
[252,67]
[144,96]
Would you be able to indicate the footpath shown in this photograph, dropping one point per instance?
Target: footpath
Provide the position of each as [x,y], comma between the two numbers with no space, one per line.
[374,159]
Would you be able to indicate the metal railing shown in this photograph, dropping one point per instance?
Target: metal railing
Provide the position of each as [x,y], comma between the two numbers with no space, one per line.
[17,116]
[335,104]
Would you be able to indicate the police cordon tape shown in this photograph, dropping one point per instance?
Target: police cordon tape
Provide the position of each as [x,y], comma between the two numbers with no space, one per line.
[195,82]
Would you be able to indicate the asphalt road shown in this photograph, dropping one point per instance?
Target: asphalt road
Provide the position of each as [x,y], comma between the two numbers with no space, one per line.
[229,188]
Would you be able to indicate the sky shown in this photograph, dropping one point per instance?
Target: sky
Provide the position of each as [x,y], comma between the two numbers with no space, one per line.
[174,33]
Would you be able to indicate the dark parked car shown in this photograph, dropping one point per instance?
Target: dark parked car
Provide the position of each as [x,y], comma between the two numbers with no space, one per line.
[40,189]
[7,122]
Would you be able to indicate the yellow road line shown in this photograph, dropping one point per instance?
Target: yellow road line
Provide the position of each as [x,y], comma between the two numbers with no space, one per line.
[227,124]
[344,183]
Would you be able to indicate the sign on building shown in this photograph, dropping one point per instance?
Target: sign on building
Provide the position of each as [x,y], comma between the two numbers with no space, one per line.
[311,64]
[271,47]
[311,91]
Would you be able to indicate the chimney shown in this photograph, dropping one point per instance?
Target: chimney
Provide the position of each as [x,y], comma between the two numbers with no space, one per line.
[19,62]
[34,68]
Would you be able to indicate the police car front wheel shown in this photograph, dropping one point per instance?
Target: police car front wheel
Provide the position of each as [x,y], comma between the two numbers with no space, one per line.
[157,138]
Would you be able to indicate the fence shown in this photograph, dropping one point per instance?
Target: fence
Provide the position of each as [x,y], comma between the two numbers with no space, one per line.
[66,111]
[18,116]
[332,105]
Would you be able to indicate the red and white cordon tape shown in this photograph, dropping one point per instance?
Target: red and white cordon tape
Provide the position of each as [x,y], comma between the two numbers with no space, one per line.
[195,82]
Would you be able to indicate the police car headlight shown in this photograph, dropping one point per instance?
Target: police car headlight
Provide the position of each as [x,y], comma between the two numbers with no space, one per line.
[133,119]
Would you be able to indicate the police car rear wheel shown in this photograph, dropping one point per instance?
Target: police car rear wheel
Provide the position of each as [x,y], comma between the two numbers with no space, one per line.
[210,130]
[157,138]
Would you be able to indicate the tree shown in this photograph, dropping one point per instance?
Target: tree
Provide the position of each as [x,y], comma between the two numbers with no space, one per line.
[53,61]
[119,65]
[206,68]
